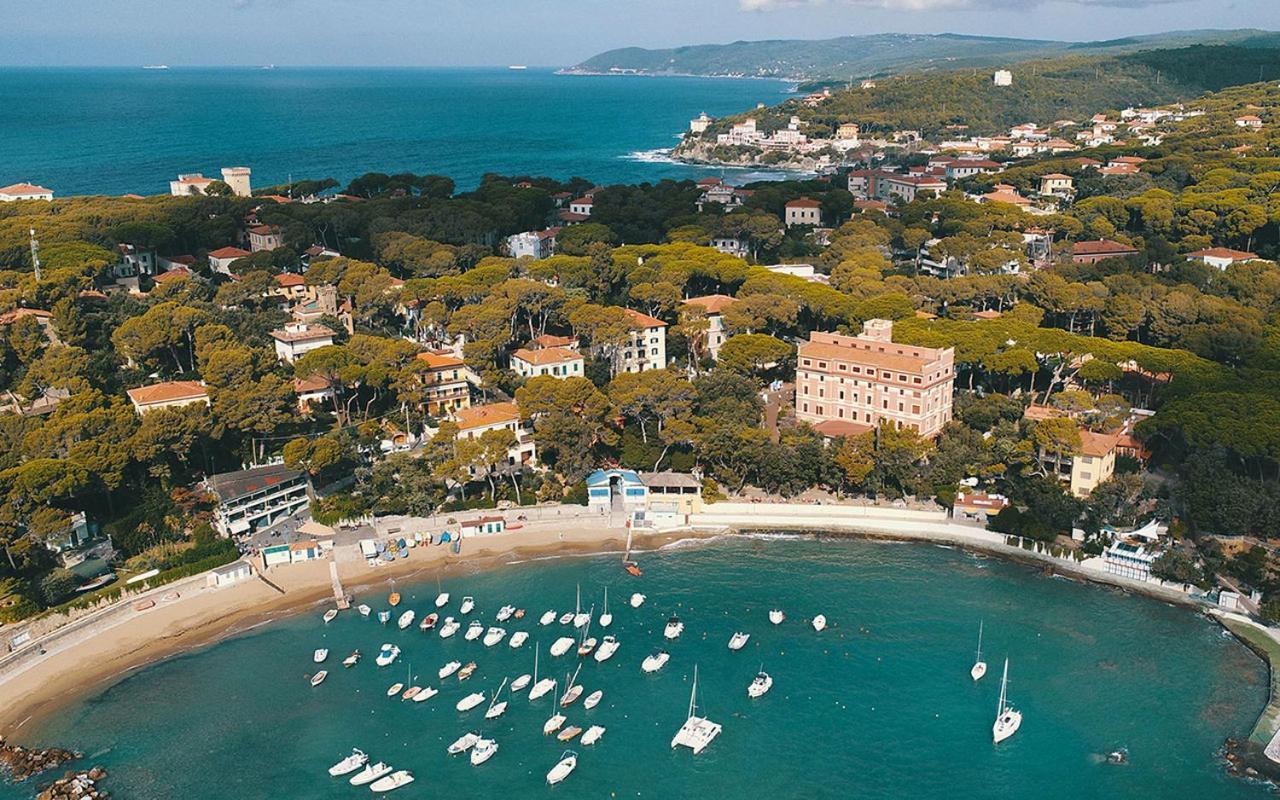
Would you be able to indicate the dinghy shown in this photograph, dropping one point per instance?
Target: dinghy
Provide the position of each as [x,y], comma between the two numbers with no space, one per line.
[350,764]
[319,677]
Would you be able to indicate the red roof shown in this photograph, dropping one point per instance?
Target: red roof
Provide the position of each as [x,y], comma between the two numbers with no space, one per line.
[167,392]
[25,188]
[229,252]
[288,279]
[176,272]
[581,201]
[713,303]
[1100,247]
[639,320]
[264,230]
[804,202]
[834,428]
[10,317]
[572,216]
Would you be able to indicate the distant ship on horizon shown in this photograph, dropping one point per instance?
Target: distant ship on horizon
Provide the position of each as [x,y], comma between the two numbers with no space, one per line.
[517,66]
[156,66]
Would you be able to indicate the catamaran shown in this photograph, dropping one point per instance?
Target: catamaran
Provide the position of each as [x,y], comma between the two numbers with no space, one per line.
[474,630]
[608,646]
[674,628]
[518,639]
[330,615]
[593,699]
[548,618]
[592,735]
[606,619]
[387,654]
[561,646]
[496,709]
[1008,720]
[468,605]
[568,761]
[494,635]
[979,666]
[696,732]
[370,773]
[319,677]
[819,623]
[483,751]
[449,669]
[637,600]
[760,685]
[776,616]
[350,764]
[393,781]
[470,701]
[505,613]
[449,628]
[320,655]
[738,640]
[464,743]
[655,661]
[406,619]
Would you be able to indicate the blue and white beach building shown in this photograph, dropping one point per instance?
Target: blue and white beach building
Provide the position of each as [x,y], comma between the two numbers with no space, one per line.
[619,490]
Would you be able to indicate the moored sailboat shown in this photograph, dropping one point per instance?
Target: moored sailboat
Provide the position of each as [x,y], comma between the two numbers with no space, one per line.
[606,619]
[1008,720]
[979,667]
[696,732]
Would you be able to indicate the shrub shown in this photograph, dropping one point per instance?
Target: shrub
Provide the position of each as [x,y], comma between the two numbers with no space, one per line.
[57,586]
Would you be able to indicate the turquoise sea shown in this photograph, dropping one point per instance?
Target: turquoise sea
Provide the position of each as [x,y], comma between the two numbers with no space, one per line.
[116,130]
[880,705]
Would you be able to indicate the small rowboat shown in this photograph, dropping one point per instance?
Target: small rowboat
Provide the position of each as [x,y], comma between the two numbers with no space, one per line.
[593,699]
[411,693]
[633,569]
[394,599]
[330,615]
[319,677]
[569,733]
[429,622]
[467,671]
[394,689]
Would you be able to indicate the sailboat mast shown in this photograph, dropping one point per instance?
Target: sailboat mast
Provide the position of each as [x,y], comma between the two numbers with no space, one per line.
[979,640]
[535,663]
[693,695]
[1004,680]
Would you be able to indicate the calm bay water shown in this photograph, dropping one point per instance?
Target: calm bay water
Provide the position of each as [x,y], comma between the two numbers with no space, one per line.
[878,706]
[114,131]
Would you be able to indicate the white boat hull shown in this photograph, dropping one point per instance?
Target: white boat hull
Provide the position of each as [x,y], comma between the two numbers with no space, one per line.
[1006,725]
[979,669]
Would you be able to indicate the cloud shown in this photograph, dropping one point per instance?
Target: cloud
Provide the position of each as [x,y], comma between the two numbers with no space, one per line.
[947,5]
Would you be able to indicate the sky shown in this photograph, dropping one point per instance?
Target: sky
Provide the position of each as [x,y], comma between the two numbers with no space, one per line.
[539,32]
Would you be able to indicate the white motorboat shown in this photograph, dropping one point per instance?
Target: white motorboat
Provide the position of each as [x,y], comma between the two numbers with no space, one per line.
[474,631]
[393,781]
[384,616]
[674,628]
[363,609]
[518,639]
[553,724]
[608,646]
[387,654]
[738,640]
[819,623]
[582,620]
[637,600]
[319,677]
[696,732]
[428,622]
[406,619]
[606,619]
[442,600]
[567,763]
[548,618]
[494,635]
[320,655]
[468,605]
[330,615]
[425,694]
[505,613]
[350,764]
[449,669]
[464,743]
[369,774]
[655,661]
[979,667]
[593,699]
[561,646]
[449,627]
[521,683]
[351,660]
[592,735]
[470,701]
[776,616]
[760,685]
[566,618]
[483,751]
[1008,720]
[497,709]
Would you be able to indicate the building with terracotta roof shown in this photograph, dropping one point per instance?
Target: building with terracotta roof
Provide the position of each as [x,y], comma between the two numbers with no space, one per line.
[869,379]
[582,206]
[170,394]
[646,349]
[296,339]
[446,386]
[312,391]
[551,340]
[265,237]
[220,259]
[713,305]
[24,191]
[475,421]
[1004,193]
[533,244]
[190,184]
[1095,250]
[1222,257]
[558,362]
[1249,121]
[290,287]
[891,186]
[803,211]
[978,507]
[1055,183]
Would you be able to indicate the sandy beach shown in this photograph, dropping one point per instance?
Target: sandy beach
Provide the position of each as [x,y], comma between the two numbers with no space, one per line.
[101,655]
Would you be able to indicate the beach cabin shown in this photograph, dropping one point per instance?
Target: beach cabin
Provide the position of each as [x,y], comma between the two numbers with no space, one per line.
[290,553]
[231,573]
[484,525]
[672,497]
[616,490]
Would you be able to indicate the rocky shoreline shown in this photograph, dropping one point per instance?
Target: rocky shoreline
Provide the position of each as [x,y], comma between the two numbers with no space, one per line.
[698,152]
[76,786]
[19,763]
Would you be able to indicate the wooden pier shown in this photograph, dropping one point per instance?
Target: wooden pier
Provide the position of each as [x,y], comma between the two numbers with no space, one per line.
[340,598]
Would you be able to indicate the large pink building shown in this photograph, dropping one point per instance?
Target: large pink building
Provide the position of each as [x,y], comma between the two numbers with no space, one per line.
[861,380]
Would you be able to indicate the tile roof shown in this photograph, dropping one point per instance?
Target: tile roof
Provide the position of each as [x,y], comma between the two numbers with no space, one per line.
[639,320]
[835,428]
[24,188]
[547,355]
[486,415]
[551,340]
[229,252]
[713,303]
[804,202]
[306,334]
[314,383]
[287,280]
[440,360]
[897,362]
[1097,444]
[10,317]
[1095,247]
[167,392]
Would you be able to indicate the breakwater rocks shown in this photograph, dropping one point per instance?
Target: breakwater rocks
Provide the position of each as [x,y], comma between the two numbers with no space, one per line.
[76,786]
[20,763]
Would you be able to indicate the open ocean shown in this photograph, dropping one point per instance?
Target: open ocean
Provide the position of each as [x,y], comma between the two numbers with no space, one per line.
[880,705]
[122,130]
